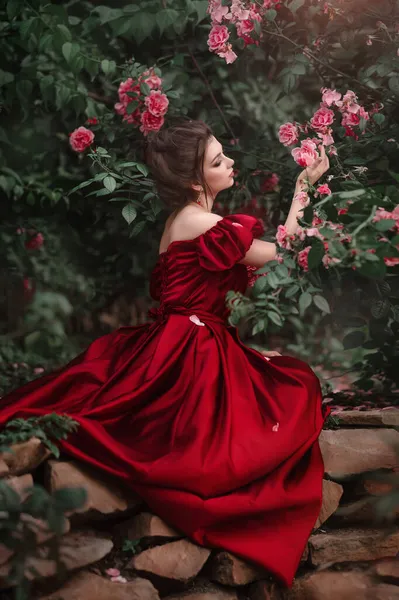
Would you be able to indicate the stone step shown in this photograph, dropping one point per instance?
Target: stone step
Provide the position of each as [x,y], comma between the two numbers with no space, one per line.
[373,418]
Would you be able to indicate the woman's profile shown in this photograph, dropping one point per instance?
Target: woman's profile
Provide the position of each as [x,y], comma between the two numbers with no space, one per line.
[219,440]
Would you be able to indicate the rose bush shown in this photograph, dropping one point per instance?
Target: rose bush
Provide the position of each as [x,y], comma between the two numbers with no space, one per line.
[293,75]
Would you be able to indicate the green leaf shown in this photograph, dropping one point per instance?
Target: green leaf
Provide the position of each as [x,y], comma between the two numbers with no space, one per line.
[321,303]
[271,14]
[200,7]
[305,300]
[373,270]
[70,498]
[142,26]
[352,194]
[65,33]
[129,213]
[145,88]
[69,51]
[379,118]
[166,17]
[292,291]
[143,169]
[109,183]
[108,66]
[385,224]
[13,8]
[355,339]
[295,5]
[5,77]
[275,318]
[290,82]
[393,83]
[258,327]
[316,254]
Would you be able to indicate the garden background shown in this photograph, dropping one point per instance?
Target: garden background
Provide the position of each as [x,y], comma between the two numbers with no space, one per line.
[80,217]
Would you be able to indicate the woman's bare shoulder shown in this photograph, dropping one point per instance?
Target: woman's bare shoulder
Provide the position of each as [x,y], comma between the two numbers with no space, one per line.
[191,222]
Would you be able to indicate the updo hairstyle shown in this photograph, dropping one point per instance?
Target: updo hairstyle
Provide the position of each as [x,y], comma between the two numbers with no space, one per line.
[176,156]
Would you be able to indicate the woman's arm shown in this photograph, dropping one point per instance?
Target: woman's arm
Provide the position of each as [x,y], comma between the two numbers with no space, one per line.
[262,252]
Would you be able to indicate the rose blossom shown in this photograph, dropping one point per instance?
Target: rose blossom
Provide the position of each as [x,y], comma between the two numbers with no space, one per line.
[350,120]
[150,122]
[324,190]
[244,27]
[80,139]
[157,103]
[228,54]
[128,86]
[282,237]
[302,198]
[92,121]
[330,97]
[153,81]
[218,37]
[391,261]
[35,242]
[322,118]
[326,137]
[288,134]
[306,154]
[303,258]
[269,183]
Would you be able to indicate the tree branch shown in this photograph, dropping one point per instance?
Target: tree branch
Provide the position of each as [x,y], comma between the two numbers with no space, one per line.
[208,85]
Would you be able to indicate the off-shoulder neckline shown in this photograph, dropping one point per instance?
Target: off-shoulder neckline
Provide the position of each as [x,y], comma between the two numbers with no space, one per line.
[204,233]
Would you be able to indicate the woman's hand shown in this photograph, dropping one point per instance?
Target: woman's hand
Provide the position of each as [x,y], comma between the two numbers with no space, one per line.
[315,171]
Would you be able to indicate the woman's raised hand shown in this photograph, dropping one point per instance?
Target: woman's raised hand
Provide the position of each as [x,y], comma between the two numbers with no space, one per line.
[316,170]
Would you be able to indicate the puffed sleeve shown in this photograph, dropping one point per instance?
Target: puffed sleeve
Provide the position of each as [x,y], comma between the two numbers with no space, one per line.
[227,242]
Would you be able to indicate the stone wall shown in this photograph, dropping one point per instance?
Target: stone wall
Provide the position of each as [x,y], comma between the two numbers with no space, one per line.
[349,555]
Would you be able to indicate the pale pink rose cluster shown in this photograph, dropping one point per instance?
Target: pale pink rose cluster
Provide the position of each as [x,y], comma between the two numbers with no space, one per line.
[332,104]
[150,109]
[243,14]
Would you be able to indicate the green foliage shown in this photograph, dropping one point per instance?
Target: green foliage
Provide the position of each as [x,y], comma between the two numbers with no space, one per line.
[46,428]
[99,213]
[130,546]
[31,526]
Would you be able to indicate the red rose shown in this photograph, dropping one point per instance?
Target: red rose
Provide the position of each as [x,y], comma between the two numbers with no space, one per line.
[80,139]
[35,242]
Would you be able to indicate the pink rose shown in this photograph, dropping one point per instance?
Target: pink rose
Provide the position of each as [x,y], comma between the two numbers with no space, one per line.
[228,54]
[324,189]
[244,27]
[157,103]
[80,139]
[218,37]
[288,134]
[92,121]
[152,80]
[38,370]
[306,154]
[282,237]
[326,137]
[134,117]
[391,261]
[130,85]
[113,572]
[150,122]
[322,118]
[302,198]
[35,242]
[269,183]
[350,120]
[303,258]
[330,97]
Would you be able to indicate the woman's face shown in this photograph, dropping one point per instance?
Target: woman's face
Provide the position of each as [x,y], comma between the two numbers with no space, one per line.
[218,168]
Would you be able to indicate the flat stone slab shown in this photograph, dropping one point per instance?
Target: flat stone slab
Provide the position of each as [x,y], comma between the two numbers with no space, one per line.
[351,545]
[332,493]
[341,585]
[178,561]
[347,451]
[88,586]
[25,456]
[147,526]
[373,418]
[104,496]
[227,569]
[76,550]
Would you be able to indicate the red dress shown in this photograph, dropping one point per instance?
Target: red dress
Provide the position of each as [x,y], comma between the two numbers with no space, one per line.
[219,442]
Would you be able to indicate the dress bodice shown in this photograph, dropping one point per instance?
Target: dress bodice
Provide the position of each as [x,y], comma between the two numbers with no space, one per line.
[196,274]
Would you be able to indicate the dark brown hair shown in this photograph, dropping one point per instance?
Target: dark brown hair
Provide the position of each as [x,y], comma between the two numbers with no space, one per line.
[175,156]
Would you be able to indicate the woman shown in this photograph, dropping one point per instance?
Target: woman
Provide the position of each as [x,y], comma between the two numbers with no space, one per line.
[219,442]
